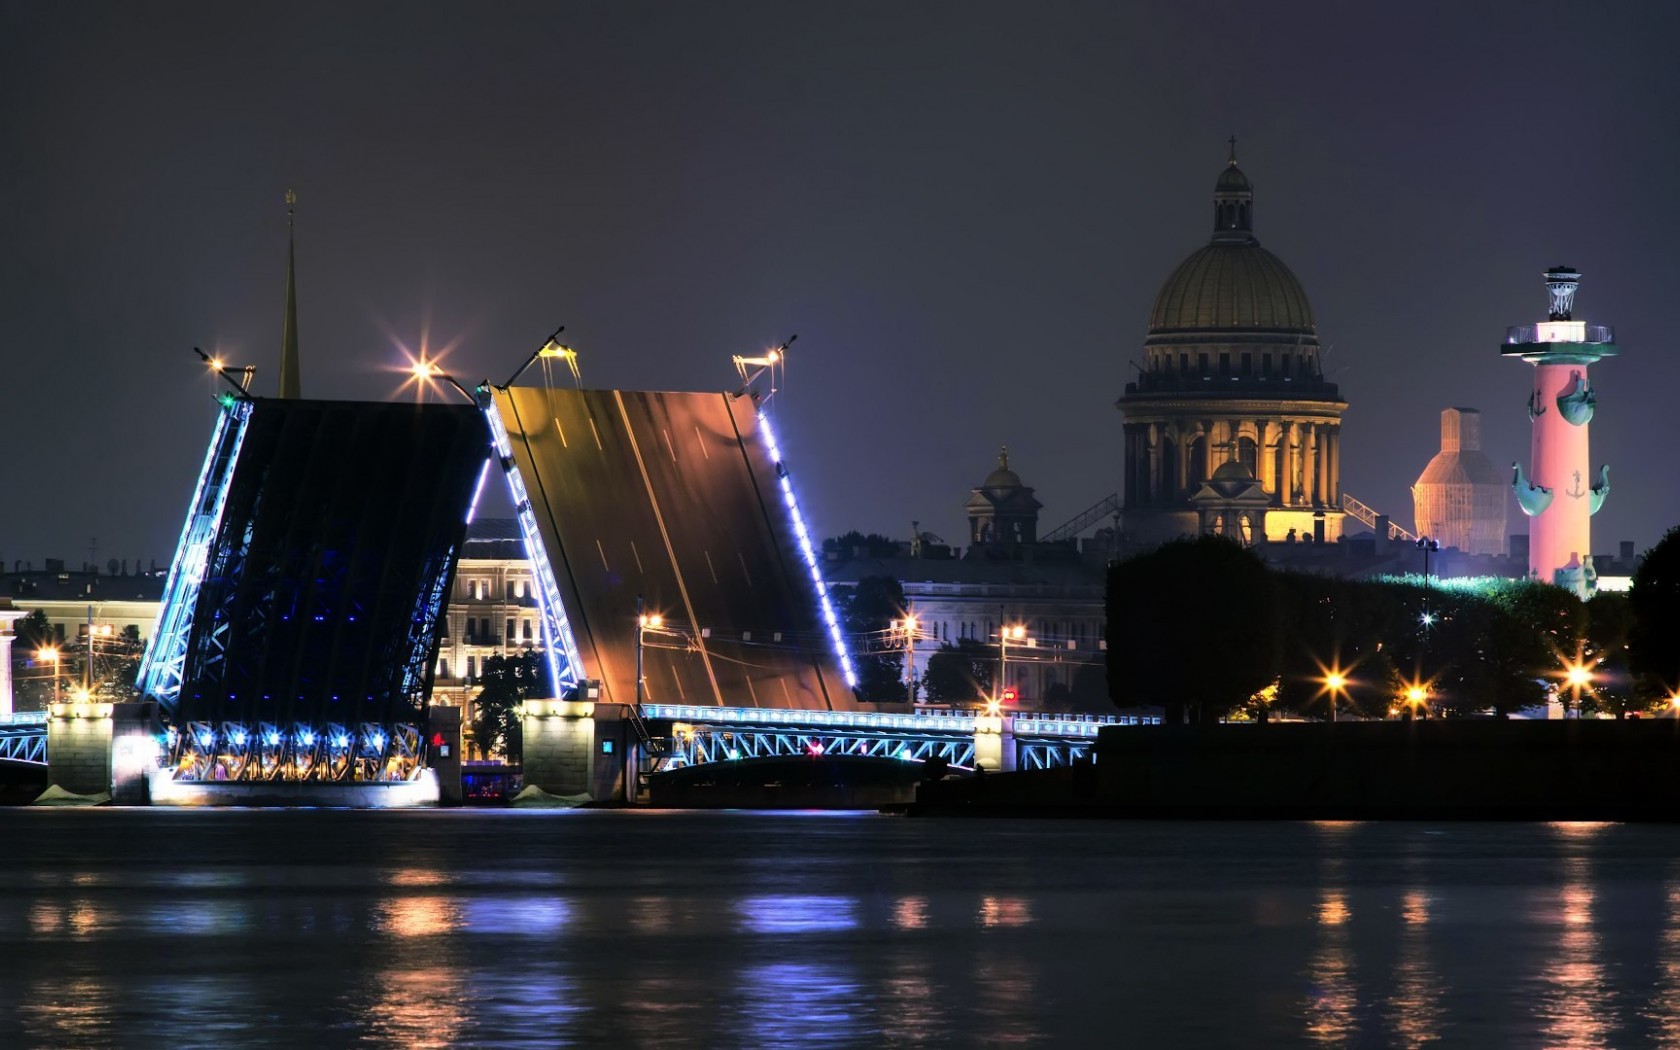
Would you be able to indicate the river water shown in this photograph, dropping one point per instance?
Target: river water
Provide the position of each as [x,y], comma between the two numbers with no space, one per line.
[156,928]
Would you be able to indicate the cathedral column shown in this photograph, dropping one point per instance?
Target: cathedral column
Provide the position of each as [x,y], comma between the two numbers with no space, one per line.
[1303,460]
[1152,435]
[1183,465]
[1321,460]
[1268,454]
[1286,487]
[1333,496]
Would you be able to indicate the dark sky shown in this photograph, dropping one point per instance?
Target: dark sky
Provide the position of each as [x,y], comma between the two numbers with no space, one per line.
[964,210]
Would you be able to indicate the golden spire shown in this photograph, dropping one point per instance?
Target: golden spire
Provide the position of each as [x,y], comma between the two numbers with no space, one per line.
[290,387]
[1003,457]
[1233,141]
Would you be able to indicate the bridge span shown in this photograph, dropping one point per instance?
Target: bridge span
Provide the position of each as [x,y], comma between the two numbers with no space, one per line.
[997,740]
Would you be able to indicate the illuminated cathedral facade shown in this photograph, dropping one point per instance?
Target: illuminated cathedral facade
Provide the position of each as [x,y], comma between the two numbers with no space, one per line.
[1230,426]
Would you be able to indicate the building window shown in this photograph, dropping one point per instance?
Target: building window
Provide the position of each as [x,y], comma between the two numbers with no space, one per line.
[443,668]
[526,629]
[510,630]
[1224,364]
[1266,364]
[472,667]
[1248,454]
[519,588]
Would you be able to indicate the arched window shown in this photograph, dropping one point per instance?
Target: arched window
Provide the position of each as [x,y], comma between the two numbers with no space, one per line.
[1248,454]
[1198,460]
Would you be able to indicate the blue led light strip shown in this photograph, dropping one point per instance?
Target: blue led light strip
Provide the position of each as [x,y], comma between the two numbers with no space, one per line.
[555,624]
[478,490]
[164,662]
[810,554]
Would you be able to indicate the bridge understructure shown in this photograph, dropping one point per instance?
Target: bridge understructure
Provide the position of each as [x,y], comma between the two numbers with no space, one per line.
[23,737]
[964,739]
[301,615]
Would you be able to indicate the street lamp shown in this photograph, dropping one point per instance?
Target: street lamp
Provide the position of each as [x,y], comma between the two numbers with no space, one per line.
[1006,634]
[1577,676]
[50,652]
[909,626]
[1428,547]
[1334,682]
[644,621]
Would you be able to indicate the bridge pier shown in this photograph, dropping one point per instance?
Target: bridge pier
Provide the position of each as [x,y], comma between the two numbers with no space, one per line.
[95,749]
[574,747]
[443,752]
[994,743]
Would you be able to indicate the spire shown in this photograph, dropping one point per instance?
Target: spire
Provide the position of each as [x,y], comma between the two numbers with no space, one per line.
[289,385]
[1233,203]
[1003,457]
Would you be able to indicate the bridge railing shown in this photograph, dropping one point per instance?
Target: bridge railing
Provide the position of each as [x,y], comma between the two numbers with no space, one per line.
[24,718]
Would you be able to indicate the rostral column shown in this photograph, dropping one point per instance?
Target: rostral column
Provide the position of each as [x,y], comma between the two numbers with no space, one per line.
[1560,494]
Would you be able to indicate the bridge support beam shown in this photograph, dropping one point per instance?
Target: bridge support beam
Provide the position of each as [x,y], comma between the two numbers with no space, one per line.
[95,749]
[574,748]
[994,743]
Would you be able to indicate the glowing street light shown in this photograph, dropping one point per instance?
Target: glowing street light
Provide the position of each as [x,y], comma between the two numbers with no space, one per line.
[1335,681]
[644,622]
[50,653]
[908,627]
[1007,633]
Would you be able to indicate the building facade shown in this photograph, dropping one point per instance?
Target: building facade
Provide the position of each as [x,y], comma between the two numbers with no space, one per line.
[492,611]
[1230,426]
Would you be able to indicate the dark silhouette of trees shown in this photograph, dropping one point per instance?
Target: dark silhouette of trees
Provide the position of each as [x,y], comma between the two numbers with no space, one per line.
[961,673]
[1192,628]
[1653,652]
[867,611]
[508,681]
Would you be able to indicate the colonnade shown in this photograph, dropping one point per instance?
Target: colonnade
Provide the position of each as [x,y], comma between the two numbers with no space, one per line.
[1299,459]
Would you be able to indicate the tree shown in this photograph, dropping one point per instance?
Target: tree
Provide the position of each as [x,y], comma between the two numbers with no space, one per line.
[1193,628]
[867,611]
[1616,690]
[873,545]
[508,681]
[1655,600]
[34,630]
[960,674]
[1090,688]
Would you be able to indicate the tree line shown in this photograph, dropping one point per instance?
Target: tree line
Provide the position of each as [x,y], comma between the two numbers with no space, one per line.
[1204,629]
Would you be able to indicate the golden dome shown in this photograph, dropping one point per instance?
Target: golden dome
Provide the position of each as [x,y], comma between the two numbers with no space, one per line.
[1229,285]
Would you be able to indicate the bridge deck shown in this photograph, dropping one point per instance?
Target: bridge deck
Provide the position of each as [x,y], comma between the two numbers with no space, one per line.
[676,497]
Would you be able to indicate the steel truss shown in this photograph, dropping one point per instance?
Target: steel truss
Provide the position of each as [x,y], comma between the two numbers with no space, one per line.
[162,666]
[368,752]
[700,744]
[23,738]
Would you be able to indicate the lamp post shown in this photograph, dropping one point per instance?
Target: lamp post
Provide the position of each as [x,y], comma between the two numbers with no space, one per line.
[1428,547]
[50,652]
[1334,682]
[643,622]
[1578,677]
[909,626]
[1006,632]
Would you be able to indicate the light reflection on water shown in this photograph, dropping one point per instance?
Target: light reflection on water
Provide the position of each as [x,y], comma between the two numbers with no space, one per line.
[779,930]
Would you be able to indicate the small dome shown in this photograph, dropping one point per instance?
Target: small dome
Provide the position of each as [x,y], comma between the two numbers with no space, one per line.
[1002,477]
[1232,180]
[1230,285]
[1232,470]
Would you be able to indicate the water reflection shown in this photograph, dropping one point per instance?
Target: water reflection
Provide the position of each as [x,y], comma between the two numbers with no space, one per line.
[1664,1008]
[1573,983]
[1416,1000]
[1004,989]
[421,1007]
[1333,994]
[1005,911]
[527,916]
[417,916]
[911,1014]
[775,915]
[910,913]
[60,1011]
[790,1004]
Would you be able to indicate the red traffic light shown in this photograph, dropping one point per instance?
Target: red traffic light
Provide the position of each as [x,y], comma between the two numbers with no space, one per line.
[437,740]
[1010,695]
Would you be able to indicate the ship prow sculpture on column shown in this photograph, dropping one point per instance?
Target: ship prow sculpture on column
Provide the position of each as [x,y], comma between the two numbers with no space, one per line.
[1555,492]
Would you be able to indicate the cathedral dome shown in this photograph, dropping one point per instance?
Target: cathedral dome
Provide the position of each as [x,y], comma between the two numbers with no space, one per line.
[1231,285]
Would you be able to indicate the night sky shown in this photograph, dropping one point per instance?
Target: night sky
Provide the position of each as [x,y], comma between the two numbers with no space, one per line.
[964,210]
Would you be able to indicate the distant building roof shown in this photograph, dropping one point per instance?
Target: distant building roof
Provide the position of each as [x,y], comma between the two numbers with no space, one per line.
[82,586]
